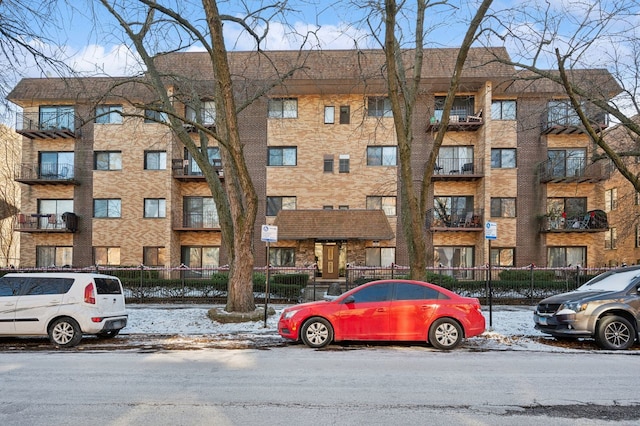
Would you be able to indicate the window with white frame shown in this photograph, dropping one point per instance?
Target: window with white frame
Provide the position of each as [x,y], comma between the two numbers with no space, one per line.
[47,256]
[503,110]
[155,160]
[56,165]
[107,208]
[329,115]
[203,113]
[610,199]
[385,203]
[275,204]
[155,208]
[109,114]
[379,106]
[381,155]
[343,163]
[282,156]
[106,255]
[283,108]
[379,256]
[200,212]
[108,160]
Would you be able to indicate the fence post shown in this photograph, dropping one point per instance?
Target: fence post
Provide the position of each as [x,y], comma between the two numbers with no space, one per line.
[531,280]
[392,268]
[141,282]
[577,276]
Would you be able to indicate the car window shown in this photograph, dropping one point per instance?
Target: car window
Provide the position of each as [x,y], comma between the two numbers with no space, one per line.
[374,293]
[611,281]
[47,285]
[11,286]
[107,286]
[408,291]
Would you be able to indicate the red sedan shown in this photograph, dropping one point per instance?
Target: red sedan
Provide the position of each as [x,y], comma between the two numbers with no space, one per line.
[387,310]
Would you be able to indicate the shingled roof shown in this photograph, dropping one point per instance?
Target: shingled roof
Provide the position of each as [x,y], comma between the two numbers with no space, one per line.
[333,225]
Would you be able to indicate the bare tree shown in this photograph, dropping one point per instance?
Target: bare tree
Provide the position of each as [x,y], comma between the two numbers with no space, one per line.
[9,195]
[146,24]
[404,85]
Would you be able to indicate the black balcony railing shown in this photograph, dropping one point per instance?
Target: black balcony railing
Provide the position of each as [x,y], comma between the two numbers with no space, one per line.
[438,219]
[572,170]
[591,221]
[47,125]
[46,222]
[457,167]
[45,173]
[197,221]
[460,119]
[184,170]
[562,119]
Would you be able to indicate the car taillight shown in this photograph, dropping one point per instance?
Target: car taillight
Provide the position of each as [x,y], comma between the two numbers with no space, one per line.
[89,294]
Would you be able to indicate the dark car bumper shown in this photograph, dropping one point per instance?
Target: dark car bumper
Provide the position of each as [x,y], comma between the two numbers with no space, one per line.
[564,325]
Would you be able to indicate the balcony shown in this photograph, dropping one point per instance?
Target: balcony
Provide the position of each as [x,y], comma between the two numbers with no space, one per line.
[463,221]
[46,174]
[460,120]
[46,222]
[196,222]
[561,119]
[183,170]
[574,170]
[591,221]
[457,169]
[46,125]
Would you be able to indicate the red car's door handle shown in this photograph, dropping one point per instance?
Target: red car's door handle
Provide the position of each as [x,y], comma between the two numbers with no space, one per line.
[381,309]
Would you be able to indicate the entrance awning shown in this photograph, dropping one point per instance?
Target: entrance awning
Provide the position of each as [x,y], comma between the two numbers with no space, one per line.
[333,225]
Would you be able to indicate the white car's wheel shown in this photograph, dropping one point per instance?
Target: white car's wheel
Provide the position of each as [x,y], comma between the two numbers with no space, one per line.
[65,332]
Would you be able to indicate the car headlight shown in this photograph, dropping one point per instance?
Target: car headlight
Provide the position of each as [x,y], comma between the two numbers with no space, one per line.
[289,314]
[575,306]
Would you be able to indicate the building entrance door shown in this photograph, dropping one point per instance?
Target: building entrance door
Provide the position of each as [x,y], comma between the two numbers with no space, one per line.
[330,261]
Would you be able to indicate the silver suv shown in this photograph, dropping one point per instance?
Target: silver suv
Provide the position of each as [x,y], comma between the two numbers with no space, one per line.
[63,306]
[606,308]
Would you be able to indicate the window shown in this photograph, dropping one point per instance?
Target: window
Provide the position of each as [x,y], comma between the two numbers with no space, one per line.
[153,116]
[328,164]
[275,204]
[155,160]
[559,257]
[610,199]
[455,257]
[503,158]
[379,106]
[345,114]
[282,256]
[379,256]
[107,208]
[47,256]
[503,207]
[611,238]
[329,115]
[201,257]
[374,293]
[57,117]
[561,112]
[502,256]
[213,154]
[463,106]
[405,291]
[109,114]
[381,156]
[568,208]
[283,108]
[283,156]
[327,207]
[207,115]
[54,208]
[343,207]
[56,165]
[106,255]
[566,162]
[387,204]
[108,160]
[154,256]
[343,163]
[200,212]
[451,211]
[454,159]
[155,207]
[638,237]
[503,110]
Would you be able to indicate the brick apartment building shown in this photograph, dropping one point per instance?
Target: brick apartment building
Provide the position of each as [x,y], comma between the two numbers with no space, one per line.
[104,188]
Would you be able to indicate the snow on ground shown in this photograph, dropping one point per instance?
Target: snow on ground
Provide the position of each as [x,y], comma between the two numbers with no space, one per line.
[508,327]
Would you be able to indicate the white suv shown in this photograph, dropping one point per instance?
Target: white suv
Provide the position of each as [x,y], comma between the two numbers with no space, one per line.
[63,306]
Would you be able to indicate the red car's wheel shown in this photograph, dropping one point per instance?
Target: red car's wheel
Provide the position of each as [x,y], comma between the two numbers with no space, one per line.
[445,333]
[317,333]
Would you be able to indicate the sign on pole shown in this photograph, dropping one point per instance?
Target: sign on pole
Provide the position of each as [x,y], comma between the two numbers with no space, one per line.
[269,234]
[491,231]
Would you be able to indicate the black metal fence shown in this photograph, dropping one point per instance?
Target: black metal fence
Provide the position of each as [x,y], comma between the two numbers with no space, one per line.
[292,285]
